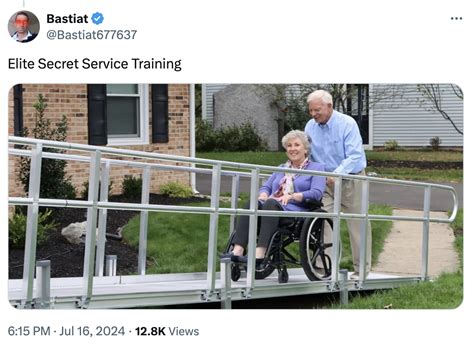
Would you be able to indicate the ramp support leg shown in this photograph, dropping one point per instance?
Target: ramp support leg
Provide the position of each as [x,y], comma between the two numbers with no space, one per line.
[226,299]
[111,265]
[344,293]
[43,284]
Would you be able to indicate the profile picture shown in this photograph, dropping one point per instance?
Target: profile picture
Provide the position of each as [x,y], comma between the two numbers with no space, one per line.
[23,26]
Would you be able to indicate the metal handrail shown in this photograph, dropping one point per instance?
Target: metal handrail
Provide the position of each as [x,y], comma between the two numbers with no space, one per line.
[96,202]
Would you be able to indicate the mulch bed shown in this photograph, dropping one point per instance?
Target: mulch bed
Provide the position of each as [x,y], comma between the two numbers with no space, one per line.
[67,260]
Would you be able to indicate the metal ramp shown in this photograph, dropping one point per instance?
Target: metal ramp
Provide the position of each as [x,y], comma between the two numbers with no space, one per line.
[174,289]
[94,290]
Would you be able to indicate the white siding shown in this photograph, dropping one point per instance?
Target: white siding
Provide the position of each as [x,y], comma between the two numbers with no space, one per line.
[208,91]
[404,118]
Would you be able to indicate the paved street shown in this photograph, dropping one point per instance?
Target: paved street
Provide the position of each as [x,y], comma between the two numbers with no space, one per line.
[394,195]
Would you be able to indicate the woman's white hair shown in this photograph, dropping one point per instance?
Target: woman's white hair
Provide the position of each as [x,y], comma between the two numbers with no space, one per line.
[323,95]
[296,134]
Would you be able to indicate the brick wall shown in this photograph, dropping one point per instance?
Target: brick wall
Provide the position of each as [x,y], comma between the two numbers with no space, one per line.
[71,100]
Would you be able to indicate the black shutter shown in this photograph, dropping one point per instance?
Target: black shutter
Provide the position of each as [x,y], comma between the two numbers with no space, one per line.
[18,110]
[97,113]
[159,112]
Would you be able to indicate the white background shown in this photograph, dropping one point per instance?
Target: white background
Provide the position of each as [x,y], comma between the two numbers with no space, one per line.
[257,42]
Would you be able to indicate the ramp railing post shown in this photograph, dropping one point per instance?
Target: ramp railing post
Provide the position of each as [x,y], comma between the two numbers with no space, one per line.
[32,225]
[91,228]
[142,245]
[226,299]
[363,230]
[336,231]
[253,225]
[104,197]
[43,284]
[426,233]
[234,201]
[111,265]
[213,227]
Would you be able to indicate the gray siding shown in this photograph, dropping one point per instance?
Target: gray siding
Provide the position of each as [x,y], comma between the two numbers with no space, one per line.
[404,117]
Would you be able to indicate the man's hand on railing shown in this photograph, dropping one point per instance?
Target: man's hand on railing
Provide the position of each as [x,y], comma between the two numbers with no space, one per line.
[330,182]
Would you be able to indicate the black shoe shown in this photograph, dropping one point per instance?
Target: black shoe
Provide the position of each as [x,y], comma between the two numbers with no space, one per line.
[234,258]
[259,263]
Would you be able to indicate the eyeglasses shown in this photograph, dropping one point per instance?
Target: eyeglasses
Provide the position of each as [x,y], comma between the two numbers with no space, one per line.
[21,22]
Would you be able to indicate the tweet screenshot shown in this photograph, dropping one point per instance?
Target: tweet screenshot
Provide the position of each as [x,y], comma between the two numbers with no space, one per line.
[208,174]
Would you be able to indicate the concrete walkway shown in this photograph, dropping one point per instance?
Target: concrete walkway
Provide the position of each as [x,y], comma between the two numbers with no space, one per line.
[402,250]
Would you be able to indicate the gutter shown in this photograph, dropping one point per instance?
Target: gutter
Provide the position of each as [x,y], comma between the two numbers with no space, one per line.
[192,134]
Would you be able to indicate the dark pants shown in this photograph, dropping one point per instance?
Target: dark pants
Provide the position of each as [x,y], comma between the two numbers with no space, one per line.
[268,225]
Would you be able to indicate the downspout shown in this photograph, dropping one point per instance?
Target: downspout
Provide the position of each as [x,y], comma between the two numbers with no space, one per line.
[192,134]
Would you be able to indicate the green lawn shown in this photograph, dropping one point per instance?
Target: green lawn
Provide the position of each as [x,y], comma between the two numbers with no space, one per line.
[445,292]
[416,174]
[177,242]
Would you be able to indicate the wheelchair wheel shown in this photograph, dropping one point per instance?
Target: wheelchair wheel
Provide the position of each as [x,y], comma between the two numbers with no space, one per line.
[315,260]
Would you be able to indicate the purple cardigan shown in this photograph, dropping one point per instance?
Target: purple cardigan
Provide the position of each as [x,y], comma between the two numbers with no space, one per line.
[312,187]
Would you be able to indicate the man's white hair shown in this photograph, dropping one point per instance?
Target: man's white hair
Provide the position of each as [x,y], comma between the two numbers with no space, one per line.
[322,95]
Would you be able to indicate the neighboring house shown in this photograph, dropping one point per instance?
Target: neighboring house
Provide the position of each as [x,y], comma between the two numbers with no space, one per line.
[405,116]
[208,91]
[238,104]
[391,112]
[152,118]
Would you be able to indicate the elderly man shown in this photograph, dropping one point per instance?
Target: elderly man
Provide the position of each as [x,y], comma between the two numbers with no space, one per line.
[22,22]
[337,143]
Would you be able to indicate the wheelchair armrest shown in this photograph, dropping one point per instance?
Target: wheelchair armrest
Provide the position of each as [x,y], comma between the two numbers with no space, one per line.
[313,204]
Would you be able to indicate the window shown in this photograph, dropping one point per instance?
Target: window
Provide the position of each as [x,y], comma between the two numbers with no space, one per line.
[127,114]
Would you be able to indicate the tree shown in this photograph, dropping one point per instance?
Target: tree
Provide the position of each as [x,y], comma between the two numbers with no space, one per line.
[433,93]
[290,100]
[198,100]
[54,182]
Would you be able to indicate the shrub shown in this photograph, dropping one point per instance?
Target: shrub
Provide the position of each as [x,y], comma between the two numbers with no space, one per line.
[17,228]
[85,191]
[54,182]
[176,190]
[391,145]
[205,136]
[435,142]
[228,139]
[132,187]
[249,139]
[231,138]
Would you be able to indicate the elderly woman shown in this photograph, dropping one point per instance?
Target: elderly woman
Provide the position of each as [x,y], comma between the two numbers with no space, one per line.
[282,191]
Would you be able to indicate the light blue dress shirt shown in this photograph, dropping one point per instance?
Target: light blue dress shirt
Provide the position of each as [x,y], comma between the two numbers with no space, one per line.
[337,144]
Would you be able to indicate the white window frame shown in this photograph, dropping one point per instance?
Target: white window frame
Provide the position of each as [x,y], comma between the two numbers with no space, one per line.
[143,95]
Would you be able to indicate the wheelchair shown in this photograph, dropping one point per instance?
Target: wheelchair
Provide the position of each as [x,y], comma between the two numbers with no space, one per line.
[309,233]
